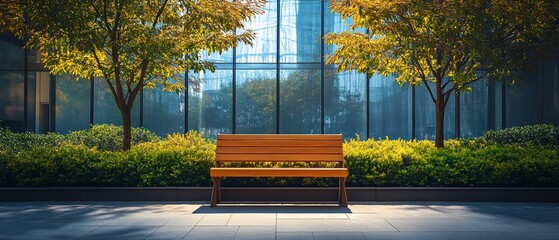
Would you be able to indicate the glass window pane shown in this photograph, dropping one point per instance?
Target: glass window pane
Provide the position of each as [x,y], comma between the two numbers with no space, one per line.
[263,49]
[523,101]
[473,110]
[11,102]
[105,110]
[426,116]
[164,111]
[209,108]
[31,104]
[344,103]
[300,101]
[390,108]
[300,31]
[72,103]
[256,101]
[12,55]
[225,57]
[333,22]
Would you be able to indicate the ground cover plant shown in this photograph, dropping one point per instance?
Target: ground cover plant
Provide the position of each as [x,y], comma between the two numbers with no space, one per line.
[517,157]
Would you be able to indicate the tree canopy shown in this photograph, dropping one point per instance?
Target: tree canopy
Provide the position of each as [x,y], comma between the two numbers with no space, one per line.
[444,44]
[131,44]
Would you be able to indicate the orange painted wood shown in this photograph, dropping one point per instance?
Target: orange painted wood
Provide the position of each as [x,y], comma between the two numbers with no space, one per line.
[280,150]
[278,172]
[279,157]
[276,143]
[318,137]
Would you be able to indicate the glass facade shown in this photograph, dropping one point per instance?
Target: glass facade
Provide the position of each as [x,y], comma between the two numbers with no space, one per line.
[256,101]
[210,106]
[300,101]
[473,110]
[279,84]
[164,112]
[12,100]
[105,109]
[72,103]
[390,109]
[425,115]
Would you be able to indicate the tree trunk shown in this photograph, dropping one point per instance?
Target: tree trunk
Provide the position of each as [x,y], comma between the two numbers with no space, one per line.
[127,127]
[439,136]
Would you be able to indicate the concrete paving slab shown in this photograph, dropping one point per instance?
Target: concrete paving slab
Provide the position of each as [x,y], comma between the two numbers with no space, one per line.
[212,232]
[252,219]
[256,233]
[214,220]
[186,219]
[170,232]
[339,236]
[120,232]
[295,236]
[429,225]
[367,220]
[312,216]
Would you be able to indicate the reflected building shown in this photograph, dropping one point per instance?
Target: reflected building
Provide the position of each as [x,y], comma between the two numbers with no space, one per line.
[279,84]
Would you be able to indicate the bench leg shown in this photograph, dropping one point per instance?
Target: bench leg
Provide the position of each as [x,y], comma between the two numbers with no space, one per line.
[342,198]
[215,192]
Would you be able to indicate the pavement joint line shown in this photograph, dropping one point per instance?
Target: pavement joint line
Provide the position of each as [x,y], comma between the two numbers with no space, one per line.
[229,219]
[188,232]
[157,229]
[392,225]
[236,232]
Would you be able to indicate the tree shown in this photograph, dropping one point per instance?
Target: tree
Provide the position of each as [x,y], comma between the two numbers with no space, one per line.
[444,44]
[131,44]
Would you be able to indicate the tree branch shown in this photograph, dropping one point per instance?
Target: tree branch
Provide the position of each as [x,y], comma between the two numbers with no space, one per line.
[429,90]
[111,87]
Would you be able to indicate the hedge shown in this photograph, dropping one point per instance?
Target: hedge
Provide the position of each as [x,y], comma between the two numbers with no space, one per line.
[185,160]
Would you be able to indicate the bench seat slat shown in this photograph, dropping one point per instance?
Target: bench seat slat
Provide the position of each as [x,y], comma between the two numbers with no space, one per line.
[315,137]
[278,172]
[279,150]
[279,157]
[276,143]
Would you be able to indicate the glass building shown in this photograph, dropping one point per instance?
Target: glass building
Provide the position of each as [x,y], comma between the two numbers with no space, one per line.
[280,84]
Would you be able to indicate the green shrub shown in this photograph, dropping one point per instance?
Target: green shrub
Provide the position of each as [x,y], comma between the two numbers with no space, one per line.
[185,160]
[70,165]
[545,135]
[109,137]
[178,160]
[461,163]
[11,142]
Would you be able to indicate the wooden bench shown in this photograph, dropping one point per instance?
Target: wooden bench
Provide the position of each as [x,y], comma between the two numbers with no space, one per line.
[279,148]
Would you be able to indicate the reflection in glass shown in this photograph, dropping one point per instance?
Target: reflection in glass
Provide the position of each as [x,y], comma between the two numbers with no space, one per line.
[344,103]
[263,49]
[300,101]
[164,111]
[12,54]
[31,103]
[426,116]
[11,102]
[473,110]
[72,104]
[523,101]
[256,101]
[209,108]
[390,108]
[333,22]
[105,110]
[215,57]
[300,31]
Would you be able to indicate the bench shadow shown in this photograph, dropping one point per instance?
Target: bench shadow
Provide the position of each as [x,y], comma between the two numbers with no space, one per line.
[271,208]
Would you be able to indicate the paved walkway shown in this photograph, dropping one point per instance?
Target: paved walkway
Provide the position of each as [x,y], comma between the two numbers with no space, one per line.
[368,220]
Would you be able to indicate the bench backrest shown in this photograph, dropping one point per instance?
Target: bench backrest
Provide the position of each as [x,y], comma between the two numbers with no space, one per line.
[279,148]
